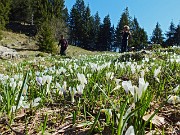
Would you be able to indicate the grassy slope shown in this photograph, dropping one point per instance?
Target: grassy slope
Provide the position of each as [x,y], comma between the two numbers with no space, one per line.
[25,45]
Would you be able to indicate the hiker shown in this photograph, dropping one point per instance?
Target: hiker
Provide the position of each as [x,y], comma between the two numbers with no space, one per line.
[125,36]
[64,44]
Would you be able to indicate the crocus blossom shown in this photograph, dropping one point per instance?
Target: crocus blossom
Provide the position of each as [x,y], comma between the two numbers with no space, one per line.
[156,73]
[130,131]
[142,87]
[127,85]
[82,78]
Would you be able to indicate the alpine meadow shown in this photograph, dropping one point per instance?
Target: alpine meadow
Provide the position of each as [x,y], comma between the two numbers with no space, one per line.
[95,86]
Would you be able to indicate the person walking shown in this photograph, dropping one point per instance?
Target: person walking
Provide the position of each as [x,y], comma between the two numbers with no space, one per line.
[64,44]
[125,36]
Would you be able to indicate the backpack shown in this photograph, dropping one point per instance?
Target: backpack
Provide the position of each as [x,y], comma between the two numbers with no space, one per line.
[65,43]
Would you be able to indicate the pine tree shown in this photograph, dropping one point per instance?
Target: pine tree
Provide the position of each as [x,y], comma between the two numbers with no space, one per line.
[77,24]
[46,39]
[87,27]
[105,35]
[96,26]
[177,36]
[4,12]
[72,27]
[21,10]
[50,19]
[139,36]
[157,36]
[124,20]
[170,41]
[113,47]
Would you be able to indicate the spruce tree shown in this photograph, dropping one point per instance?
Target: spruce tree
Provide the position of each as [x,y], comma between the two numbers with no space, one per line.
[21,10]
[4,12]
[170,41]
[77,23]
[112,46]
[46,39]
[96,26]
[87,27]
[139,36]
[50,14]
[105,35]
[177,36]
[157,36]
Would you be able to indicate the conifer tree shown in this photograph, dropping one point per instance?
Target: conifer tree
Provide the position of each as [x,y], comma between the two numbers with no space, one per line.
[112,46]
[96,29]
[50,14]
[21,10]
[139,36]
[157,36]
[177,36]
[87,27]
[77,24]
[4,12]
[46,39]
[170,41]
[105,35]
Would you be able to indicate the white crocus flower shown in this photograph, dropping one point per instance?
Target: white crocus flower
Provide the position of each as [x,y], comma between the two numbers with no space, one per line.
[142,73]
[13,83]
[130,131]
[70,68]
[173,99]
[48,79]
[44,79]
[80,89]
[64,87]
[37,73]
[39,80]
[176,89]
[133,68]
[142,87]
[109,75]
[20,83]
[6,77]
[93,66]
[117,84]
[36,101]
[82,78]
[89,75]
[156,72]
[72,92]
[75,66]
[117,81]
[62,70]
[138,67]
[127,85]
[59,89]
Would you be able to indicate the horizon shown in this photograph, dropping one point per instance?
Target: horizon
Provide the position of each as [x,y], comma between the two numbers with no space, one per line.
[163,12]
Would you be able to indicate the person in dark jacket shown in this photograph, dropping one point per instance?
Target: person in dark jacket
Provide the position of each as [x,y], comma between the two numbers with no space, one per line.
[125,36]
[64,44]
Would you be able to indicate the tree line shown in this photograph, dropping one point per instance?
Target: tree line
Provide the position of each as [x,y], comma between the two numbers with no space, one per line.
[82,29]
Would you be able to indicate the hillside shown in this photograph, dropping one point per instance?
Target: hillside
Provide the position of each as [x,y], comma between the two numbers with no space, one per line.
[25,45]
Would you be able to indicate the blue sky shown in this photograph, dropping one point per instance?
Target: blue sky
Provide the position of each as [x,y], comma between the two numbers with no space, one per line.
[148,12]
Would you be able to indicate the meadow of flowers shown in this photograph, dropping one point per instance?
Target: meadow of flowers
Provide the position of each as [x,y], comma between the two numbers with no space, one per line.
[123,94]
